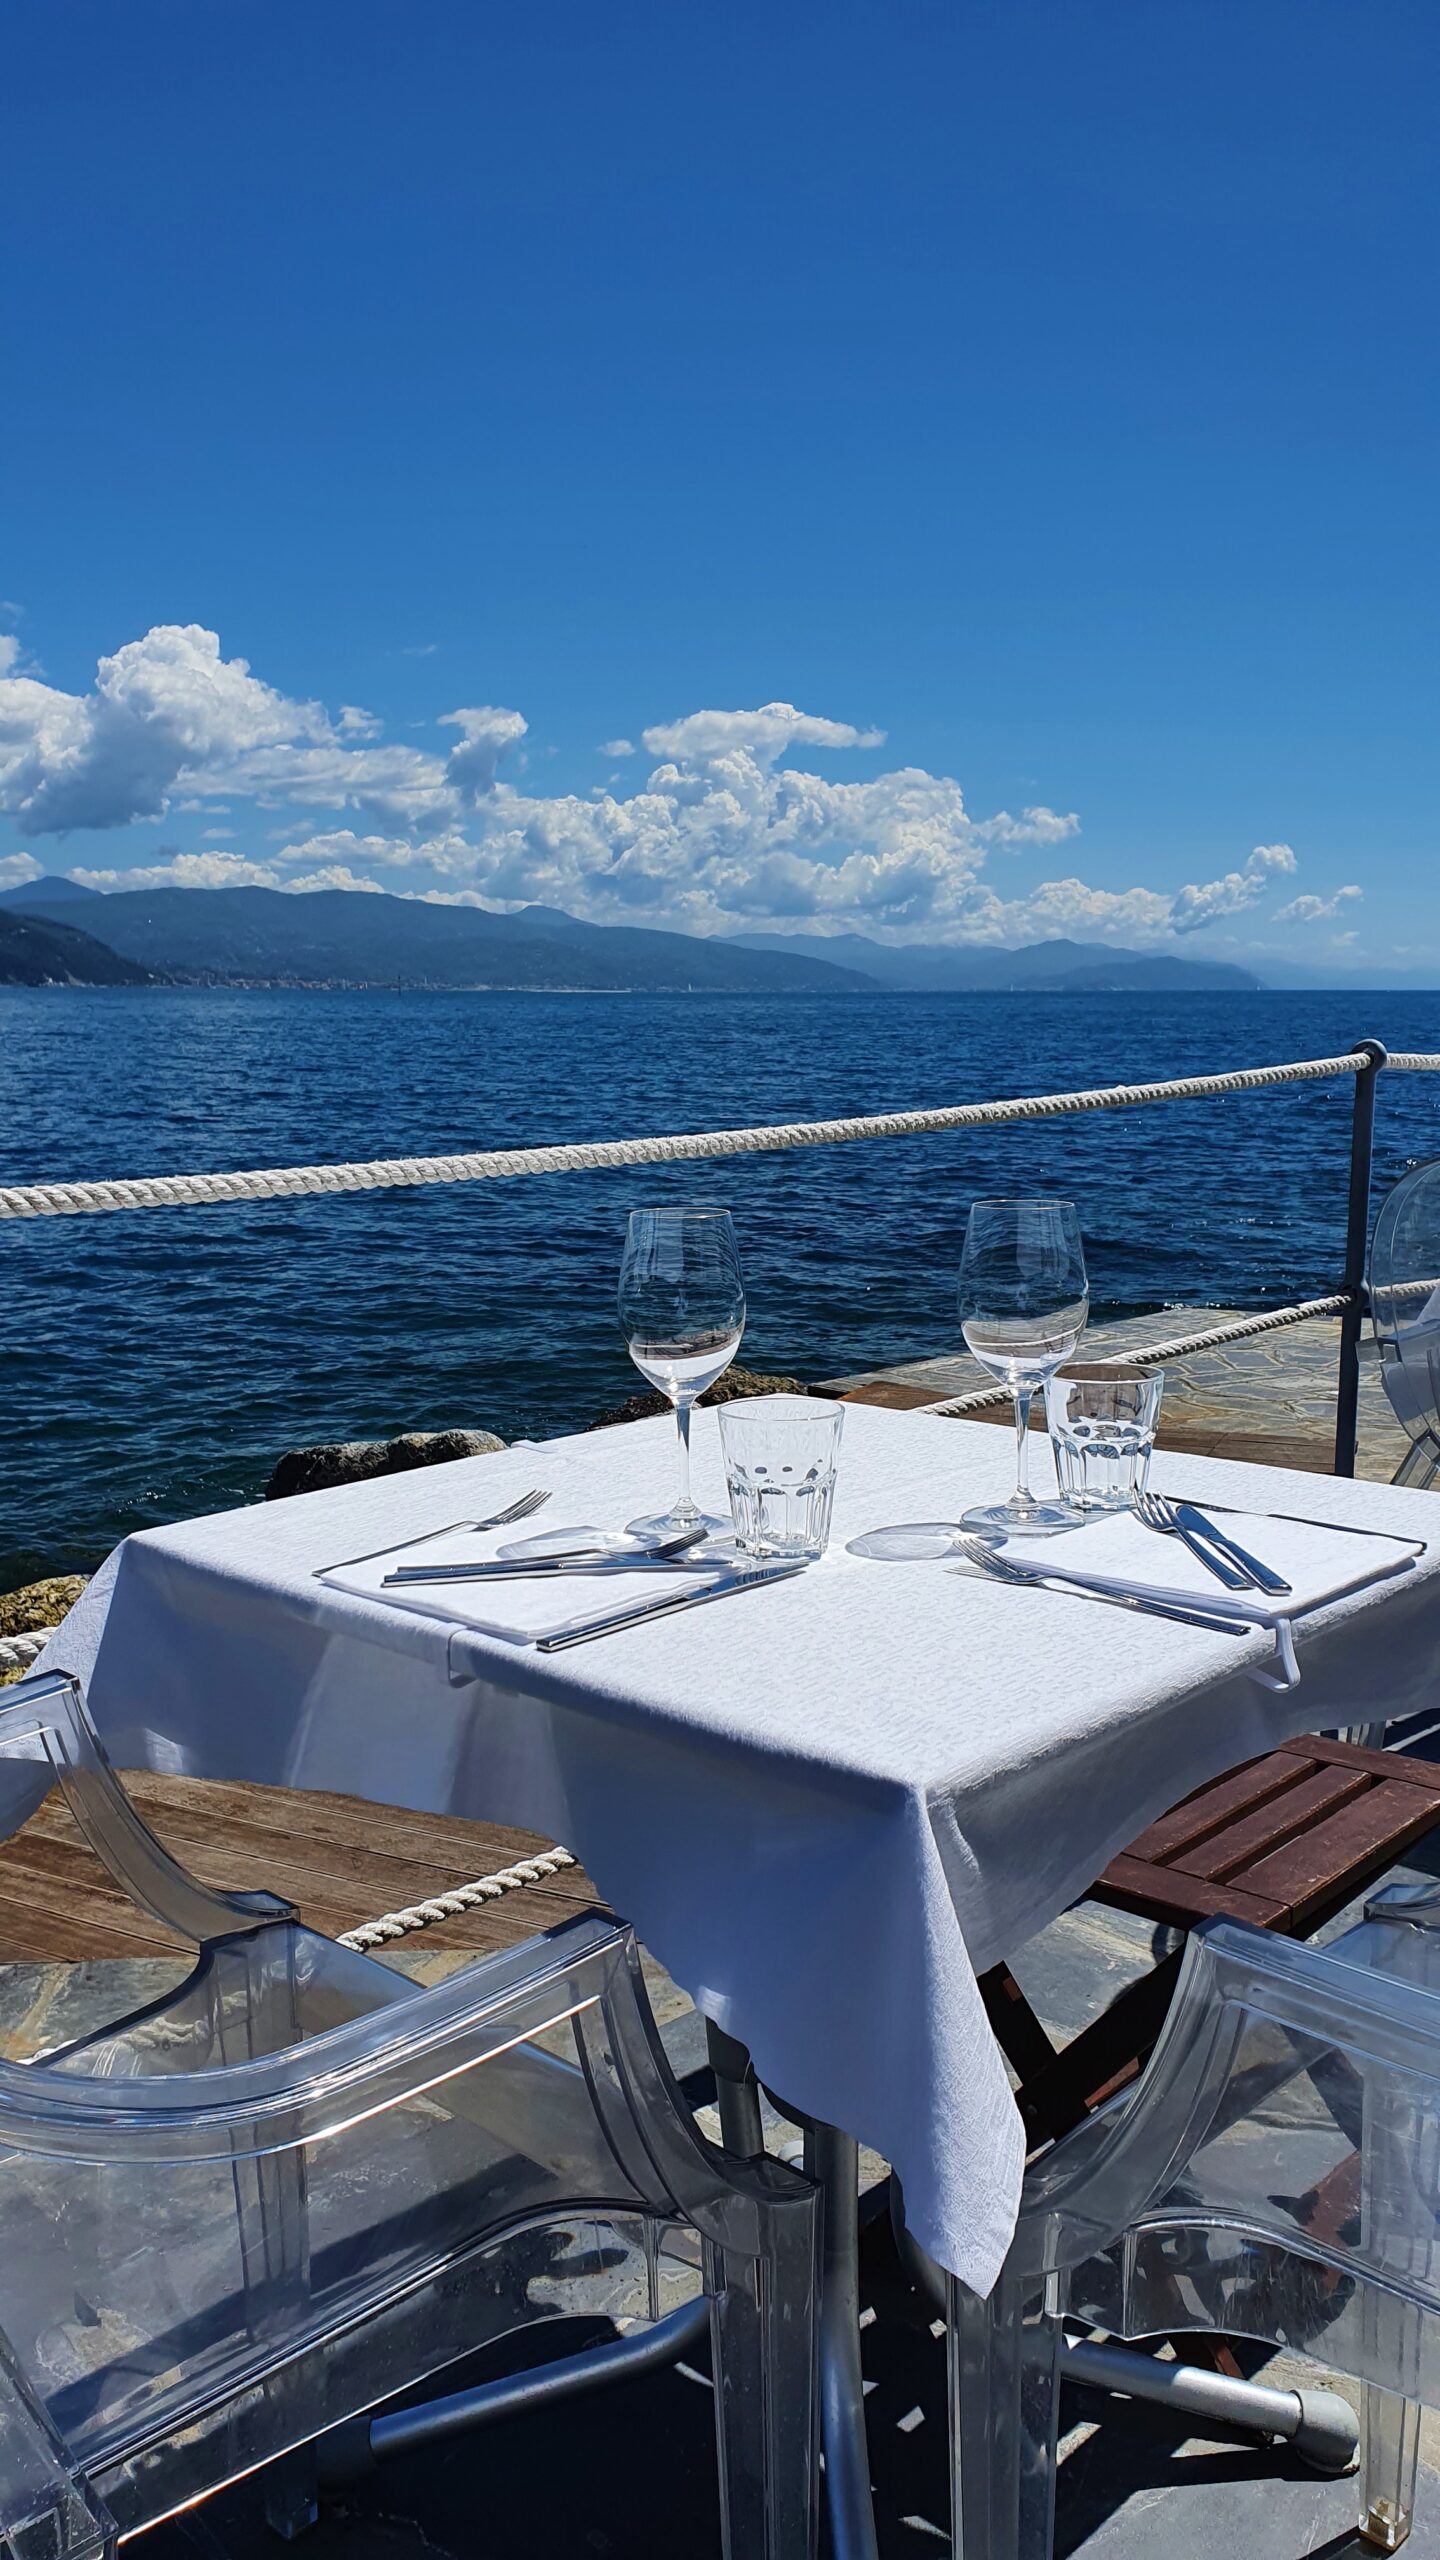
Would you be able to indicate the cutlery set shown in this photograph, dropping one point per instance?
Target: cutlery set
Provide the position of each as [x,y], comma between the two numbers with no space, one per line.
[1230,1564]
[1213,1547]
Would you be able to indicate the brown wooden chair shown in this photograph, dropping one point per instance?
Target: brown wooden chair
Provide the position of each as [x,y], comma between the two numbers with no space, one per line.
[1284,1842]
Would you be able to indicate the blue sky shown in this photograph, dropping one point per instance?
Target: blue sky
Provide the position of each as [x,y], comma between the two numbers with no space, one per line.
[1040,400]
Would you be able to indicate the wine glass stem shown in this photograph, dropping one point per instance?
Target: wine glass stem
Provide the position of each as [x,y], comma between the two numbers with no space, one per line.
[1022,1445]
[683,1504]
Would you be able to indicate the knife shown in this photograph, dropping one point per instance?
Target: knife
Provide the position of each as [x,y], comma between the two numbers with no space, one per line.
[614,1620]
[587,1559]
[531,1568]
[1263,1574]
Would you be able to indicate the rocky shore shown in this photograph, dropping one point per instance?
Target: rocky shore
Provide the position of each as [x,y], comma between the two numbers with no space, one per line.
[39,1606]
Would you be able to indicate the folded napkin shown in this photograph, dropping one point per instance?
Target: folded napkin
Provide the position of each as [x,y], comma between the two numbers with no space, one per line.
[517,1612]
[1114,1551]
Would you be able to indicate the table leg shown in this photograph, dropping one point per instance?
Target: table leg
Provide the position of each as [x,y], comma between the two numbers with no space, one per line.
[832,2160]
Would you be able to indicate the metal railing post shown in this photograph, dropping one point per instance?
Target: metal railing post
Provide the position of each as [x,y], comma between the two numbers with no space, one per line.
[1357,1243]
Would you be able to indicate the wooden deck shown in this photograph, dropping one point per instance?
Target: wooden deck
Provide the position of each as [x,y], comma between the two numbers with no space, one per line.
[340,1860]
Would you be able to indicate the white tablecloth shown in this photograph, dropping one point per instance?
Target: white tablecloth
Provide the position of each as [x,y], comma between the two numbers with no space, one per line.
[826,1807]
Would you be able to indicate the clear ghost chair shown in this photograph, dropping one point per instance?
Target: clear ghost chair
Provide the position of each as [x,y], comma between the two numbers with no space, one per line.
[1405,1312]
[235,2220]
[1273,2175]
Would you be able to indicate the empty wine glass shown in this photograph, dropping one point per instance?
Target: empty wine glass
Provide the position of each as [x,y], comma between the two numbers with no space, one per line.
[682,1312]
[1023,1305]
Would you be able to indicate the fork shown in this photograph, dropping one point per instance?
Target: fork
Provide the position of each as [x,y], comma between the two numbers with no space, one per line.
[1157,1513]
[1018,1577]
[521,1510]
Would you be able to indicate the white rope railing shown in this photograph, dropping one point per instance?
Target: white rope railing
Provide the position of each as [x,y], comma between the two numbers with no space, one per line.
[17,1652]
[1149,1355]
[198,1190]
[464,1897]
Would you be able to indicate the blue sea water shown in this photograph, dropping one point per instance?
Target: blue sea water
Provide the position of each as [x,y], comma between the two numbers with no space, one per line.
[158,1363]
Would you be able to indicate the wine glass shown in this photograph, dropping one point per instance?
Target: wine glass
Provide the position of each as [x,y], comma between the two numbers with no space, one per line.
[682,1312]
[1023,1305]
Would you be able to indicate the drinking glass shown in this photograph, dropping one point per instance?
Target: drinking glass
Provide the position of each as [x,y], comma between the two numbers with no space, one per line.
[682,1312]
[1023,1305]
[1102,1431]
[780,1454]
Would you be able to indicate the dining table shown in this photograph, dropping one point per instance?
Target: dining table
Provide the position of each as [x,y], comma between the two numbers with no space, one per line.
[827,1805]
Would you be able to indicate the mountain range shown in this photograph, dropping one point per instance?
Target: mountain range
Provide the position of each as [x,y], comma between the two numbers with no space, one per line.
[1056,966]
[329,937]
[37,953]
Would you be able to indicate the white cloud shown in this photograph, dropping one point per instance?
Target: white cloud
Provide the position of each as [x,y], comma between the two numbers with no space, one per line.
[1204,903]
[1312,910]
[355,723]
[162,708]
[760,735]
[187,871]
[1033,826]
[617,747]
[485,735]
[9,651]
[335,875]
[16,868]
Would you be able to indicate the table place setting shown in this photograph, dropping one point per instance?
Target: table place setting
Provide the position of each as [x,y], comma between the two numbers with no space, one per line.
[1024,1303]
[1104,1537]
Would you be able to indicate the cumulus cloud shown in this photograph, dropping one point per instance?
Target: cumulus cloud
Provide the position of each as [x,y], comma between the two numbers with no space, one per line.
[186,871]
[1312,910]
[726,828]
[17,868]
[9,652]
[162,708]
[762,735]
[168,716]
[485,734]
[335,875]
[1033,826]
[1205,903]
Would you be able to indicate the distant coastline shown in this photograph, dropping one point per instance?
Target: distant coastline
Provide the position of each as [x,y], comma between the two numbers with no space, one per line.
[352,939]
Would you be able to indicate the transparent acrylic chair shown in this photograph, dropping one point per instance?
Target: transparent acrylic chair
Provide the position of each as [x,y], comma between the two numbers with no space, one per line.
[1405,1313]
[1274,2175]
[234,2220]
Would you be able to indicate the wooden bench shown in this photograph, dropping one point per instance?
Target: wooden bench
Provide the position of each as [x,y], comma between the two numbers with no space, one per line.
[1283,1842]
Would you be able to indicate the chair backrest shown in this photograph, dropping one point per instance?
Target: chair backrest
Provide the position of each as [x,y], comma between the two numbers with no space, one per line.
[1405,1299]
[1275,2173]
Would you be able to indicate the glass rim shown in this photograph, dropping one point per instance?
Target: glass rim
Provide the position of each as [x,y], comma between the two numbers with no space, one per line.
[1097,1373]
[1021,1200]
[815,1408]
[681,1209]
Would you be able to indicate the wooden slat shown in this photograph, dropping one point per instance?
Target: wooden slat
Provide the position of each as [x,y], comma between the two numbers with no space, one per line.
[443,1840]
[1396,1768]
[1223,1800]
[1230,1853]
[1323,1867]
[1164,1893]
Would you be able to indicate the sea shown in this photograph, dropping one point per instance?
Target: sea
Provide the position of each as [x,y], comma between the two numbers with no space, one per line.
[157,1364]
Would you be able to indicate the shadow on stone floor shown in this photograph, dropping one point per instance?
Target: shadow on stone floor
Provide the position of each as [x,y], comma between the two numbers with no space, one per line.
[630,2476]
